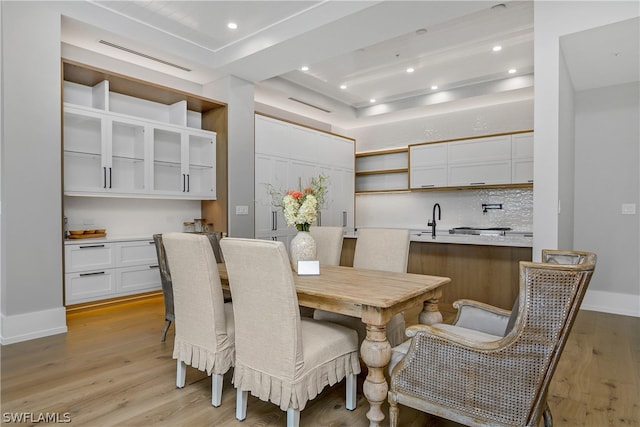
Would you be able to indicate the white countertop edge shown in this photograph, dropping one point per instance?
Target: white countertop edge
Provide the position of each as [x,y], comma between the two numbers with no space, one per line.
[108,239]
[513,240]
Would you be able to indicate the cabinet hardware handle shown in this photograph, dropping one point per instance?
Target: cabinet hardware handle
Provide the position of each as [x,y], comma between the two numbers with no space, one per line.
[154,266]
[274,220]
[427,185]
[104,177]
[183,182]
[92,274]
[92,246]
[188,183]
[476,183]
[152,243]
[530,180]
[344,218]
[110,179]
[319,219]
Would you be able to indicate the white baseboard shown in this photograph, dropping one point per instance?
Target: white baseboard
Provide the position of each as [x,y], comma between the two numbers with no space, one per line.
[29,326]
[610,302]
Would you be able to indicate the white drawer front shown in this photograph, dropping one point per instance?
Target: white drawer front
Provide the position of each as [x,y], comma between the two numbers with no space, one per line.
[136,279]
[137,253]
[480,174]
[89,286]
[89,256]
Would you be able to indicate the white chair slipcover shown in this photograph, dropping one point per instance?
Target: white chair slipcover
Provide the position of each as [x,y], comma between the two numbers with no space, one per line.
[280,357]
[204,323]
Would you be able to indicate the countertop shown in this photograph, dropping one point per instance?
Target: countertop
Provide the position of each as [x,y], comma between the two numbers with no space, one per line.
[107,239]
[512,238]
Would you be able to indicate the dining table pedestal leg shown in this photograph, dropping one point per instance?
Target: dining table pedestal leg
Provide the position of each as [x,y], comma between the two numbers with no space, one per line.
[430,313]
[376,354]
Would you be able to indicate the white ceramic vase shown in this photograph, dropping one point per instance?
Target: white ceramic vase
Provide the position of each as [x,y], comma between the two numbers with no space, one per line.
[303,248]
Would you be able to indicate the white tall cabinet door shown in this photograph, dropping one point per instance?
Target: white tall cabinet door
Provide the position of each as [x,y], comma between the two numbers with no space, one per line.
[269,170]
[167,151]
[199,164]
[307,154]
[127,170]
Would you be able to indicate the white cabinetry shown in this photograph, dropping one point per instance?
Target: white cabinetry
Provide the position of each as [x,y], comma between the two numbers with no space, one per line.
[522,158]
[481,161]
[107,269]
[287,157]
[497,160]
[428,165]
[126,151]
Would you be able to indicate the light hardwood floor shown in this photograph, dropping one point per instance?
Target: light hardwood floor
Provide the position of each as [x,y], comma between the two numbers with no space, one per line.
[111,369]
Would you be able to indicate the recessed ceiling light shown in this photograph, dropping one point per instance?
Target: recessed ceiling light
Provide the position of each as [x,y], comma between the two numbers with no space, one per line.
[372,100]
[304,68]
[497,48]
[232,25]
[410,70]
[434,87]
[512,71]
[343,86]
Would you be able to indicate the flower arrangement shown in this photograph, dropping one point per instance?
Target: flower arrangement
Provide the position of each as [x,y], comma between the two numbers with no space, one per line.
[300,207]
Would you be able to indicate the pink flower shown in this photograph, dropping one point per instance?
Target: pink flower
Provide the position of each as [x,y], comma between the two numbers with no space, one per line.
[295,194]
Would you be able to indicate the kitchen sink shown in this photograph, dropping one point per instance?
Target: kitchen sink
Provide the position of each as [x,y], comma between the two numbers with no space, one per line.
[490,231]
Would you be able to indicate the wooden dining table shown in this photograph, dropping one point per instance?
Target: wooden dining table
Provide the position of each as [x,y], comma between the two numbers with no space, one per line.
[374,297]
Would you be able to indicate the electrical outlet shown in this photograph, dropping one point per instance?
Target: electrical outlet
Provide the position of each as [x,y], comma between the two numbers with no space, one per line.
[628,209]
[242,210]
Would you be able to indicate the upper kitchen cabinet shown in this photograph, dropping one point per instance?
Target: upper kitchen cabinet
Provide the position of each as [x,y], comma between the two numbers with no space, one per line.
[124,137]
[502,160]
[522,158]
[481,161]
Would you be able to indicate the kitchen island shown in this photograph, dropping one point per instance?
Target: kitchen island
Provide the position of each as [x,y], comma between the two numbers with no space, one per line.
[482,268]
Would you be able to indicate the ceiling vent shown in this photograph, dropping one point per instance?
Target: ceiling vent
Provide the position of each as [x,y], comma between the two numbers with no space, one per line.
[310,105]
[143,55]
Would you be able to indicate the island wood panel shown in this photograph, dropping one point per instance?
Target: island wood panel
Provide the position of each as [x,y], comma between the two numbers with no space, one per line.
[483,273]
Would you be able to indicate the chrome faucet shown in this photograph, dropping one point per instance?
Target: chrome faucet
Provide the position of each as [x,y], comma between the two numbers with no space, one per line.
[432,222]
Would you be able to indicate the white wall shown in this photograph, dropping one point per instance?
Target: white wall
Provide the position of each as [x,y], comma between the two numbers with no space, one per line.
[552,20]
[554,112]
[607,151]
[31,173]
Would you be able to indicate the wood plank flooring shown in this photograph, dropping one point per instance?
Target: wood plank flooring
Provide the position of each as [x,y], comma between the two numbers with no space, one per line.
[111,369]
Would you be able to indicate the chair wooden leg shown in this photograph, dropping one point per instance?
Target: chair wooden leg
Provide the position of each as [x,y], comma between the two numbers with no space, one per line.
[216,389]
[393,413]
[293,417]
[241,404]
[181,373]
[351,384]
[167,323]
[546,416]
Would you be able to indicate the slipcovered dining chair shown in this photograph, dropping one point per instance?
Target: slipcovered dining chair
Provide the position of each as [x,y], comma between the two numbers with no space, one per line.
[328,244]
[377,249]
[328,251]
[205,332]
[493,367]
[281,357]
[165,276]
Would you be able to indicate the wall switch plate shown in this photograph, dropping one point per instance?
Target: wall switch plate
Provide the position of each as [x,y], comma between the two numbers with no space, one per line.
[242,210]
[628,209]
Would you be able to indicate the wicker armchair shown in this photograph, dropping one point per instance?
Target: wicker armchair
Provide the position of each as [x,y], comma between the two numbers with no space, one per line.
[485,369]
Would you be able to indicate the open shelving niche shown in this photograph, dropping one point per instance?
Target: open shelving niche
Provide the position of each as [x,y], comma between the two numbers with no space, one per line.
[382,171]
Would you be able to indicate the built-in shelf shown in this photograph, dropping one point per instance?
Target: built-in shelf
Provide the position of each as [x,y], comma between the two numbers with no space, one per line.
[382,171]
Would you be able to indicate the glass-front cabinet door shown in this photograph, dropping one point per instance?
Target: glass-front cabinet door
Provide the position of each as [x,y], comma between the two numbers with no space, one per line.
[86,152]
[127,171]
[200,164]
[167,171]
